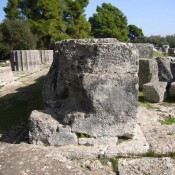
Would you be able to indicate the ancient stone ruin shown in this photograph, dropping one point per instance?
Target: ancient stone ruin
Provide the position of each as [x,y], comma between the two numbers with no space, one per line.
[90,90]
[26,60]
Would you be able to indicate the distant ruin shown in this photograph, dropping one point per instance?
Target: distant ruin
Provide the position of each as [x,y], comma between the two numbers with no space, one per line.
[27,60]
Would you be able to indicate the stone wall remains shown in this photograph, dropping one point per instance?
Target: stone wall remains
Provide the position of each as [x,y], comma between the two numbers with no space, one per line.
[28,60]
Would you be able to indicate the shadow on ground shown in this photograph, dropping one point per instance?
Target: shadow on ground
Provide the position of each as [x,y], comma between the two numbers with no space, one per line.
[15,109]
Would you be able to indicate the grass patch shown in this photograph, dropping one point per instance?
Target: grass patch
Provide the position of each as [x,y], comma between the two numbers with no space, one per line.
[16,108]
[114,162]
[83,135]
[160,54]
[151,153]
[169,121]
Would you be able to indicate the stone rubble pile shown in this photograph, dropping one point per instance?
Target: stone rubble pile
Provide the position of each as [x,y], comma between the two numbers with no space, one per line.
[155,75]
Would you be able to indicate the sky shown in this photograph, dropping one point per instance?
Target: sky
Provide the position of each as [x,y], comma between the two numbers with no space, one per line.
[154,17]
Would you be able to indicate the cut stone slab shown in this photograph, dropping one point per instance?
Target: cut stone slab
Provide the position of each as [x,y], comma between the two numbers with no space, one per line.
[172,89]
[44,129]
[160,137]
[155,92]
[136,146]
[164,69]
[148,71]
[143,166]
[145,50]
[28,159]
[92,86]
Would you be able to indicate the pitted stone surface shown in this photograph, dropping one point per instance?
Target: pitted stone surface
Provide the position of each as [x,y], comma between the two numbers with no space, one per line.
[92,86]
[172,89]
[44,129]
[164,69]
[143,166]
[148,71]
[30,160]
[135,146]
[145,50]
[155,91]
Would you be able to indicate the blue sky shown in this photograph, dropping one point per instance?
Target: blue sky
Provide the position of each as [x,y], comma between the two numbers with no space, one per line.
[154,17]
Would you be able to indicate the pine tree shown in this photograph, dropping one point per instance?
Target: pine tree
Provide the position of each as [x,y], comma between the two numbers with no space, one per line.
[109,22]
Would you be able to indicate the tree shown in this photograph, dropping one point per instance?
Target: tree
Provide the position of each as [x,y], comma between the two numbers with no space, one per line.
[12,11]
[109,21]
[15,35]
[45,17]
[134,33]
[77,25]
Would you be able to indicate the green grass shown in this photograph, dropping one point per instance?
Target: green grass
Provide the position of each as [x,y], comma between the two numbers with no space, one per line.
[16,108]
[151,153]
[114,162]
[169,121]
[83,135]
[160,54]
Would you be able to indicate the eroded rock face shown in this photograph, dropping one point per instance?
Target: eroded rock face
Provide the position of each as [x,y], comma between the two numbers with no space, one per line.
[148,71]
[145,50]
[155,91]
[92,86]
[164,69]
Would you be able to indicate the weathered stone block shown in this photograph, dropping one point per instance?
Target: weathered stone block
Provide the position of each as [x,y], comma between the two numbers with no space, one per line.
[155,92]
[164,69]
[46,56]
[92,85]
[145,50]
[44,129]
[172,89]
[87,141]
[148,71]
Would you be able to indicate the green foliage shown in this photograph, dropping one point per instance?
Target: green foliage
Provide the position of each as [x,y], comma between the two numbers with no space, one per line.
[169,121]
[109,22]
[51,20]
[77,26]
[12,11]
[134,33]
[15,35]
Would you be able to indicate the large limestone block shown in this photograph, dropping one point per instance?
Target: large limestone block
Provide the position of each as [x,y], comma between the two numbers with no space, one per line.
[92,86]
[164,69]
[155,92]
[145,50]
[172,89]
[148,71]
[172,67]
[44,129]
